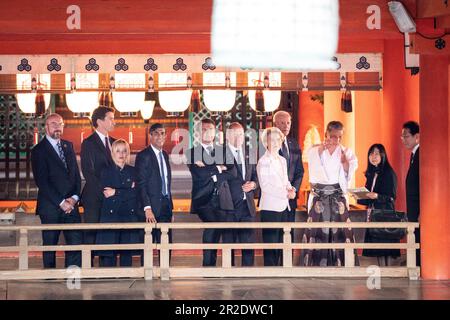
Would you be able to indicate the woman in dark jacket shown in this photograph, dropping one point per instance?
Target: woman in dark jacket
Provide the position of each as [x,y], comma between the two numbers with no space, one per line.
[119,205]
[382,183]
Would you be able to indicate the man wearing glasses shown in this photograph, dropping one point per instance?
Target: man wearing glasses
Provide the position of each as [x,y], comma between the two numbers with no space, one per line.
[57,176]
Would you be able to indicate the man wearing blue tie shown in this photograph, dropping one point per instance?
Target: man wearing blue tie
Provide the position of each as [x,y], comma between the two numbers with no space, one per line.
[57,176]
[154,181]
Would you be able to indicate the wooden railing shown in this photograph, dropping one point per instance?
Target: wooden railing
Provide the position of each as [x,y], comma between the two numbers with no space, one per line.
[165,271]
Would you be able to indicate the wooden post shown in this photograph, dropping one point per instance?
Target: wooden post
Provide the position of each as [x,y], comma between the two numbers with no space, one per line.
[86,259]
[411,252]
[148,253]
[226,258]
[23,253]
[164,253]
[287,252]
[349,257]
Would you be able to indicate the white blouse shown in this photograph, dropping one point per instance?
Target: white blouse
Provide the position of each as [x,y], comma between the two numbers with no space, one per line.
[274,182]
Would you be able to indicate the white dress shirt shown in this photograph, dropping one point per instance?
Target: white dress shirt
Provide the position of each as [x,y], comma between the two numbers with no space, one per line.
[274,182]
[235,151]
[54,144]
[415,149]
[102,138]
[166,178]
[328,169]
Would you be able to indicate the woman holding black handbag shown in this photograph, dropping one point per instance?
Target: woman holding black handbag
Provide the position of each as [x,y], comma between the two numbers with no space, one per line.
[382,183]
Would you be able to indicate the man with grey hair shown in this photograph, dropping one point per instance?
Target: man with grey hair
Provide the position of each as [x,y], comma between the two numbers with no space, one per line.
[242,190]
[291,151]
[331,167]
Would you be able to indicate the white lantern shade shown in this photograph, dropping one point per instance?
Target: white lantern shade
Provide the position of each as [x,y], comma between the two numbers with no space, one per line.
[84,102]
[288,34]
[175,101]
[219,100]
[27,102]
[128,101]
[272,99]
[147,109]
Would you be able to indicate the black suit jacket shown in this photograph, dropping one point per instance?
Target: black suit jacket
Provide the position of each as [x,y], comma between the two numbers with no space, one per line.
[386,187]
[203,186]
[295,168]
[236,184]
[94,159]
[149,181]
[54,181]
[412,189]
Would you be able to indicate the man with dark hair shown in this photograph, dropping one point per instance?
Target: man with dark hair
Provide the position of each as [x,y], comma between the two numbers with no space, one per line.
[57,176]
[95,156]
[410,139]
[210,192]
[154,181]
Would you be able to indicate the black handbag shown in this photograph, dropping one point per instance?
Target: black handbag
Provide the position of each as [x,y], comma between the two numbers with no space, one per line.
[383,215]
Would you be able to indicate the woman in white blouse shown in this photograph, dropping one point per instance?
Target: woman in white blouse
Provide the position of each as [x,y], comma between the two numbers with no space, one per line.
[276,191]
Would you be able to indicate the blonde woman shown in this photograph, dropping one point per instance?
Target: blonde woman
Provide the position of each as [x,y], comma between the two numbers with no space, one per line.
[119,205]
[276,190]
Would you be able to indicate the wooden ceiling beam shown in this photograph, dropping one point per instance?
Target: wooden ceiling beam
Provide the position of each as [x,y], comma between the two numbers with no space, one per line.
[432,8]
[425,46]
[443,22]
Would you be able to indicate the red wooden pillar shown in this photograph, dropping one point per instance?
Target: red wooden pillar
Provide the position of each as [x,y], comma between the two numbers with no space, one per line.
[435,166]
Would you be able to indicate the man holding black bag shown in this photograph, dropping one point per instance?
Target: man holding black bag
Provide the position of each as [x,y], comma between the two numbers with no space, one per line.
[210,190]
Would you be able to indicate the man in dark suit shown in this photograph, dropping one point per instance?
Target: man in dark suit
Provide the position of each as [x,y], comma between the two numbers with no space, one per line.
[154,181]
[210,192]
[95,156]
[291,151]
[242,190]
[410,138]
[57,176]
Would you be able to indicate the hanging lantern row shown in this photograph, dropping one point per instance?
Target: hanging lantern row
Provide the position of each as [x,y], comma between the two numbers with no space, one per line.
[174,102]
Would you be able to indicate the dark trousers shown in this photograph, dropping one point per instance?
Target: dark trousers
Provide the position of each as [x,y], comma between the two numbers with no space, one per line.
[108,258]
[91,214]
[240,214]
[165,215]
[72,237]
[291,218]
[210,214]
[413,216]
[273,257]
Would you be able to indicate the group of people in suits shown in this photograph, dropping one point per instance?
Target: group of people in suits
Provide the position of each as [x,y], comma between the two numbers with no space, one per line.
[225,184]
[114,191]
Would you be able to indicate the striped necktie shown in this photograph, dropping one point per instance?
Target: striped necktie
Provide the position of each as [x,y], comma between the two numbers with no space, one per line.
[61,153]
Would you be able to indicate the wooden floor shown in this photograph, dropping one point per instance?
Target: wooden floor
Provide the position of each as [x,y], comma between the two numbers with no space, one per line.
[220,289]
